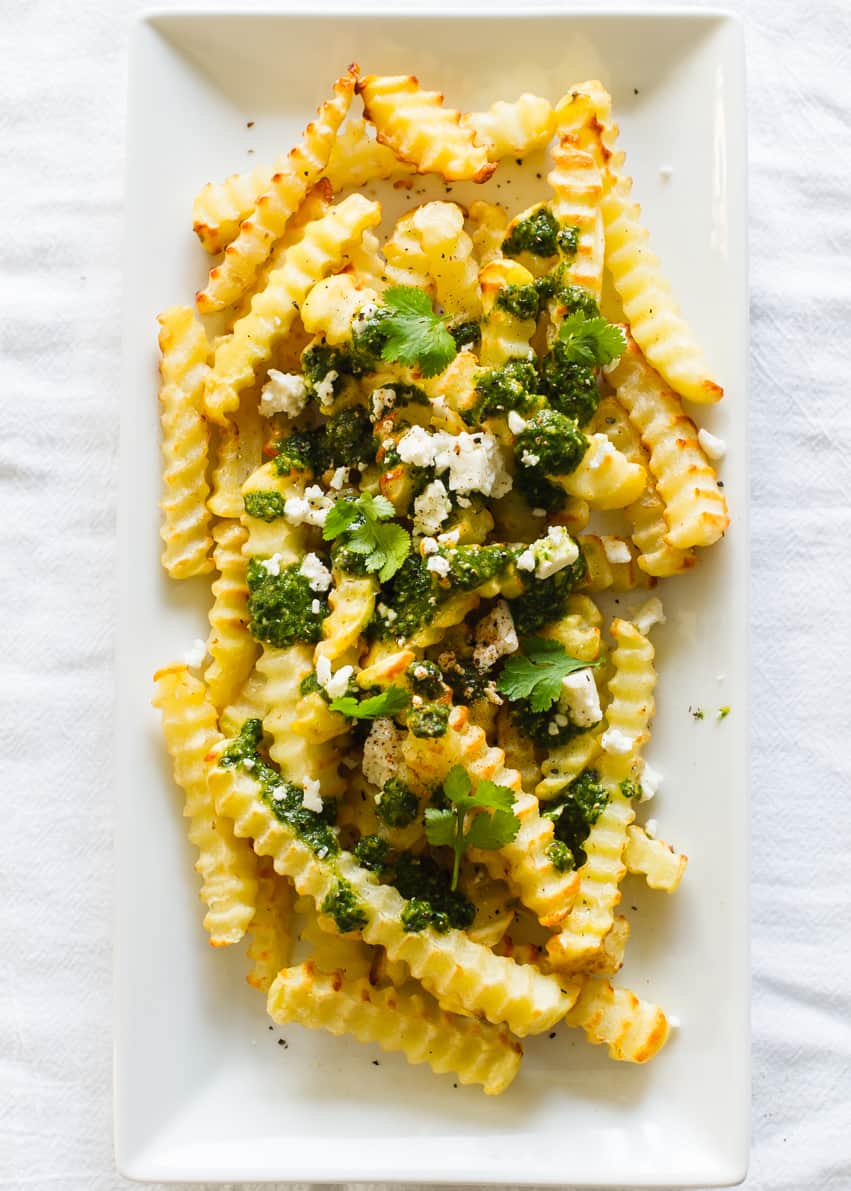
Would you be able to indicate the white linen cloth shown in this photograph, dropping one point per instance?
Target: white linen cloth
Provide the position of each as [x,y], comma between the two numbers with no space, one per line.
[62,99]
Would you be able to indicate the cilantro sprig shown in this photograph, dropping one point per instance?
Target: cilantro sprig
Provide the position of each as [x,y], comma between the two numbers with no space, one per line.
[365,522]
[414,333]
[375,707]
[536,673]
[590,341]
[466,823]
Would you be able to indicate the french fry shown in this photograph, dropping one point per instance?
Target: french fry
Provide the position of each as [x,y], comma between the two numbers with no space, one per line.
[413,1023]
[226,865]
[258,233]
[695,508]
[653,315]
[321,250]
[419,129]
[184,369]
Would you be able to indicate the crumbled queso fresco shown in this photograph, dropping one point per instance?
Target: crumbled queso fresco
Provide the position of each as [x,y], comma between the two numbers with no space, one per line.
[495,636]
[431,508]
[283,393]
[310,509]
[580,698]
[475,462]
[325,388]
[311,799]
[382,752]
[334,685]
[550,554]
[316,572]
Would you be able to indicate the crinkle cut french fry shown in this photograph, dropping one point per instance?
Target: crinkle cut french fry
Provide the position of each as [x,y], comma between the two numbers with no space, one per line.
[320,251]
[430,242]
[271,927]
[487,222]
[283,669]
[634,1030]
[523,863]
[331,305]
[653,314]
[604,477]
[647,514]
[504,336]
[410,1022]
[357,159]
[184,368]
[220,207]
[604,575]
[653,859]
[577,193]
[227,866]
[287,189]
[448,965]
[629,713]
[419,129]
[695,508]
[230,644]
[512,129]
[237,452]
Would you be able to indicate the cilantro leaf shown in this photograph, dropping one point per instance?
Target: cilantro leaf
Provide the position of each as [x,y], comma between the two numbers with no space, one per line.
[457,784]
[340,518]
[492,831]
[414,334]
[440,827]
[377,706]
[446,828]
[536,673]
[590,341]
[384,547]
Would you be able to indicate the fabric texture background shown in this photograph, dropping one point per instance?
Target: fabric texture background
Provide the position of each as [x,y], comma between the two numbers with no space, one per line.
[62,104]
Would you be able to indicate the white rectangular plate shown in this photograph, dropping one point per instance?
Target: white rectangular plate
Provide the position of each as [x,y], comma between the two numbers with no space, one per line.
[204,1090]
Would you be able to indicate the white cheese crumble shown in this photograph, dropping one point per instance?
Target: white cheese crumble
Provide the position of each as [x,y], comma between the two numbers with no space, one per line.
[451,537]
[195,654]
[516,424]
[311,800]
[552,553]
[600,450]
[649,614]
[530,459]
[526,560]
[580,698]
[615,550]
[382,753]
[339,478]
[713,446]
[283,393]
[666,172]
[674,1022]
[651,780]
[495,636]
[431,508]
[438,565]
[315,607]
[382,400]
[475,462]
[428,546]
[316,572]
[272,566]
[334,685]
[417,446]
[616,742]
[325,388]
[310,509]
[650,828]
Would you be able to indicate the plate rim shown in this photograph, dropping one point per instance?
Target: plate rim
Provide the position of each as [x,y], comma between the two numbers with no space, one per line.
[142,1165]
